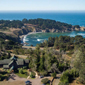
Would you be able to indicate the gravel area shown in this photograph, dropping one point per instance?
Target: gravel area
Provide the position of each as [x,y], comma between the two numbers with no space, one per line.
[15,80]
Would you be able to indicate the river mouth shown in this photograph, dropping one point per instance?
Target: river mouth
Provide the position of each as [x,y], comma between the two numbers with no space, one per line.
[37,38]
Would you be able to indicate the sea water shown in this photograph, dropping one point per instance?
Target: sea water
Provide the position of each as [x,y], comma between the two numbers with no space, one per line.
[74,18]
[34,39]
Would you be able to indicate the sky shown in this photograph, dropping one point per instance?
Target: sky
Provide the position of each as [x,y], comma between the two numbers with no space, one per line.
[39,5]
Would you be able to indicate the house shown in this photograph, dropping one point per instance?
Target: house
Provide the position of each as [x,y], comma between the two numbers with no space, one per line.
[13,63]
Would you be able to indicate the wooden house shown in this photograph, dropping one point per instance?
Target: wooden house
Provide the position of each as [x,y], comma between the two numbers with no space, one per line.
[13,63]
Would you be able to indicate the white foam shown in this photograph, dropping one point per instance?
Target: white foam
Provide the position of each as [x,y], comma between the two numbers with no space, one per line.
[72,35]
[83,34]
[38,40]
[25,39]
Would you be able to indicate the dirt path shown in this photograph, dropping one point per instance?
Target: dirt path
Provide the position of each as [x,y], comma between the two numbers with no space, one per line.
[12,83]
[20,56]
[57,80]
[33,48]
[35,81]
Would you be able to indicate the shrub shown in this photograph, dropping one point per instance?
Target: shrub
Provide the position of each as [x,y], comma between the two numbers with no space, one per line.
[61,83]
[21,71]
[61,67]
[47,84]
[53,74]
[25,67]
[45,81]
[68,76]
[32,75]
[44,73]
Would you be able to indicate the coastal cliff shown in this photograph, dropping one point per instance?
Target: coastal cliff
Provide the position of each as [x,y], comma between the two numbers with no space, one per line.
[17,27]
[46,25]
[33,28]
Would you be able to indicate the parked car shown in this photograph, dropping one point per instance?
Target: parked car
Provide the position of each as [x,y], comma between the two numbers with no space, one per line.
[41,76]
[27,83]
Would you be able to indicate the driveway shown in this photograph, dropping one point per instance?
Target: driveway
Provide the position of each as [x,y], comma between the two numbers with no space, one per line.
[15,80]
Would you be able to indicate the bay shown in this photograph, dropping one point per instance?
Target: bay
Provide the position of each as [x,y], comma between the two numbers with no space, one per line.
[34,39]
[74,18]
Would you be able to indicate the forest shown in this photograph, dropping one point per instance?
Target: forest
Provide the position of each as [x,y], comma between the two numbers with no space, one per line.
[40,23]
[64,43]
[52,60]
[7,43]
[60,55]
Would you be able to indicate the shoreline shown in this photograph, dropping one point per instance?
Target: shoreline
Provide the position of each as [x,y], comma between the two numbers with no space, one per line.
[22,37]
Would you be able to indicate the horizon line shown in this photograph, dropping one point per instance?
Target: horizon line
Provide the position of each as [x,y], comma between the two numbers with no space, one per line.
[42,10]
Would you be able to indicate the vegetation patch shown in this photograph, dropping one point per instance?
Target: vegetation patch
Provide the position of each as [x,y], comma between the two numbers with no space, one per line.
[3,75]
[22,73]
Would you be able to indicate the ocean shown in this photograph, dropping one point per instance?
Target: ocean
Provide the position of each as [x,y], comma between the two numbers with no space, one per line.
[74,18]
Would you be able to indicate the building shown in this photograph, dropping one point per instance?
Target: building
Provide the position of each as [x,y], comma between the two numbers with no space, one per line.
[13,63]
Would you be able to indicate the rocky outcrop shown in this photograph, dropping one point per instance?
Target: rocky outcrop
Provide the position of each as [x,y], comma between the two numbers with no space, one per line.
[77,29]
[29,28]
[82,28]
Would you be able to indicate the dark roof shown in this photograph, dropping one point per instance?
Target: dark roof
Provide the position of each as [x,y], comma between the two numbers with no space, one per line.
[12,68]
[26,61]
[6,66]
[13,58]
[5,61]
[9,61]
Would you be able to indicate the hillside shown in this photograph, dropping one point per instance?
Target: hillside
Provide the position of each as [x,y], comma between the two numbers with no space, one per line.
[17,27]
[8,42]
[62,55]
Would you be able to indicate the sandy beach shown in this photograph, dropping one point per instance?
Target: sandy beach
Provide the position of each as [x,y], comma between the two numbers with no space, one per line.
[22,38]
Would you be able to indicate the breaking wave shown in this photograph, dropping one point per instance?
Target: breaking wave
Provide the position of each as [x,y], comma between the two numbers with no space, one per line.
[25,39]
[83,34]
[72,35]
[40,39]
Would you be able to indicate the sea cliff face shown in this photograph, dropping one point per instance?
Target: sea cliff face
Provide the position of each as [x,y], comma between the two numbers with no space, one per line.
[17,27]
[26,30]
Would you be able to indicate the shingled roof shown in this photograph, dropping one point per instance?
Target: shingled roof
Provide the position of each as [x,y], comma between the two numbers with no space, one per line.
[13,58]
[26,61]
[5,61]
[6,66]
[20,62]
[8,63]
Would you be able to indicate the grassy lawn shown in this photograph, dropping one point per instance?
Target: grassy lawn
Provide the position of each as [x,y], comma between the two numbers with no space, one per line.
[24,74]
